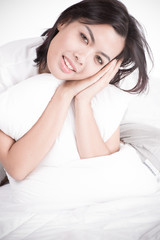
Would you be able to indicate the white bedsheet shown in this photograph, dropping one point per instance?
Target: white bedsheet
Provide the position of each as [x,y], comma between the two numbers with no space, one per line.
[132,218]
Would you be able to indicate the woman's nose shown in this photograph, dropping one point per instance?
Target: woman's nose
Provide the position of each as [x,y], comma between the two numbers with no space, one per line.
[77,58]
[81,57]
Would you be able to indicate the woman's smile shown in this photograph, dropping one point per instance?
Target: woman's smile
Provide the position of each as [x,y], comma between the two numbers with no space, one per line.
[67,66]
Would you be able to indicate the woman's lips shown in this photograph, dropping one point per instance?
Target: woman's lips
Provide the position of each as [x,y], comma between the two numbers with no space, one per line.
[67,66]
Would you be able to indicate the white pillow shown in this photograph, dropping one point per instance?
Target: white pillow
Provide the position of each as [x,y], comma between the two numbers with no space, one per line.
[22,105]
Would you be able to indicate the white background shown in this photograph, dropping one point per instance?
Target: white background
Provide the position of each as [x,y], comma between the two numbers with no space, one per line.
[30,18]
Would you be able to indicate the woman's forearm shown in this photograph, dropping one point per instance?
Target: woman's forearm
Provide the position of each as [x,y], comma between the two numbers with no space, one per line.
[25,154]
[89,140]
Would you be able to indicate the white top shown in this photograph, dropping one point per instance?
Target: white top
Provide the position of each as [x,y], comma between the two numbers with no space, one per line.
[17,61]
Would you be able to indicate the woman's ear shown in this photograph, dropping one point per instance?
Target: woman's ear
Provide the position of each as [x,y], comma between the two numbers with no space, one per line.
[60,26]
[63,24]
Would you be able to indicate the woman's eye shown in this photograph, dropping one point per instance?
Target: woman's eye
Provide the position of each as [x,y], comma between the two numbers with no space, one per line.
[84,38]
[99,59]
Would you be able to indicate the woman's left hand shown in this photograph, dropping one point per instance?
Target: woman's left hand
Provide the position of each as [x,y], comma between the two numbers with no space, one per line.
[88,138]
[88,93]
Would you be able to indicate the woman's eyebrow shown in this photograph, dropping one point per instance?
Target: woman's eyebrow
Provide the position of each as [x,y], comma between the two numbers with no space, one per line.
[105,55]
[93,41]
[91,34]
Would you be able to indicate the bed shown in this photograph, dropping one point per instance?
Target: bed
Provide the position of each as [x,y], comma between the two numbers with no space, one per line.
[83,205]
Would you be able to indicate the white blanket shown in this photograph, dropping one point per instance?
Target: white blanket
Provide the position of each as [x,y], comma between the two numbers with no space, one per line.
[132,218]
[87,181]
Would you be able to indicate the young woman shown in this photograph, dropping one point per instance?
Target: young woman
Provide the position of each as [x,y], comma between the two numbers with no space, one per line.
[93,43]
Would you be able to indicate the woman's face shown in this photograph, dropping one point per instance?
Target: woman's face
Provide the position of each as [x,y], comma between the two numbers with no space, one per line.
[79,50]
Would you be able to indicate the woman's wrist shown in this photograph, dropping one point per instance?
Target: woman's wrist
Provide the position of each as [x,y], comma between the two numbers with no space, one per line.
[63,92]
[82,102]
[83,98]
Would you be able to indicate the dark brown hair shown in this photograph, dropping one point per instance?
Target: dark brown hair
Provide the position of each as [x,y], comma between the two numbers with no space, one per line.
[114,13]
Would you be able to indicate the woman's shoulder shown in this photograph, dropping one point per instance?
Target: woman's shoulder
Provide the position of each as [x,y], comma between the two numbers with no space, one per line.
[17,61]
[19,50]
